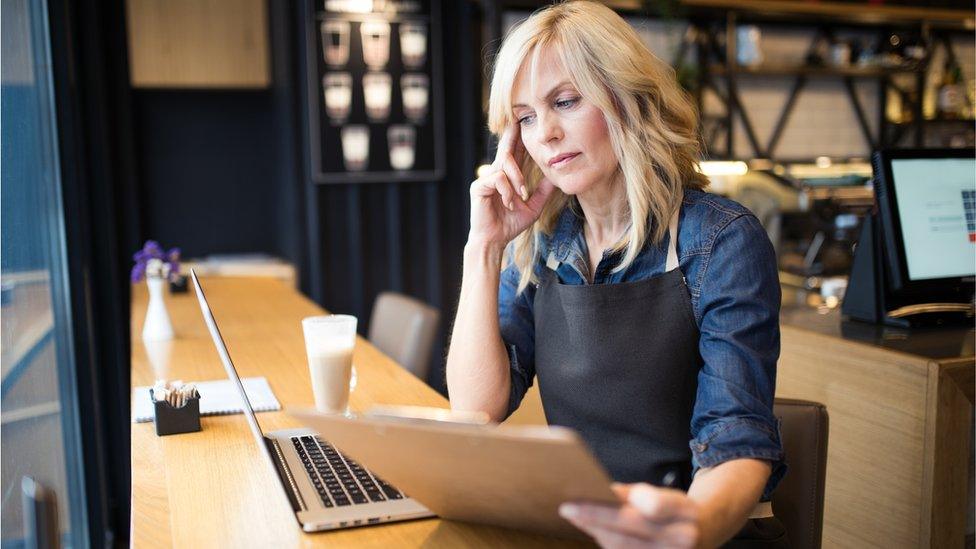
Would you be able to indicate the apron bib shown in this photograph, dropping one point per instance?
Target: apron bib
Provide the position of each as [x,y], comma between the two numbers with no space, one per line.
[619,363]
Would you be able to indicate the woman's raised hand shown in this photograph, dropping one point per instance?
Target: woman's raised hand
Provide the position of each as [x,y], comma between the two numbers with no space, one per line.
[501,207]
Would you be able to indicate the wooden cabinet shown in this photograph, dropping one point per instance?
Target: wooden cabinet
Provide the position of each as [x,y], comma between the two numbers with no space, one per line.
[900,405]
[198,43]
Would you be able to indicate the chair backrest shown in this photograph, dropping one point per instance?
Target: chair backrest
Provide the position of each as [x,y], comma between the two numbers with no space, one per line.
[799,499]
[404,328]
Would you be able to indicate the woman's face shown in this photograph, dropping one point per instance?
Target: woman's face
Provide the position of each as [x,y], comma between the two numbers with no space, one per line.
[564,133]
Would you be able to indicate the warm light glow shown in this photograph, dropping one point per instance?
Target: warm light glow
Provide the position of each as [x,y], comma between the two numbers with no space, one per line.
[711,168]
[835,169]
[823,162]
[350,6]
[483,170]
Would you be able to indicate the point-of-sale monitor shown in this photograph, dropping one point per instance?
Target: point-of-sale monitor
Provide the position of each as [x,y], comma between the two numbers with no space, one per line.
[927,207]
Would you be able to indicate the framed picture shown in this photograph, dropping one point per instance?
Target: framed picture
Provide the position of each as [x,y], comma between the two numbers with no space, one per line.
[375,92]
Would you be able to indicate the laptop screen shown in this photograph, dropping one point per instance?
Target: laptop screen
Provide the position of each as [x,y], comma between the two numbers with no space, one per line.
[252,420]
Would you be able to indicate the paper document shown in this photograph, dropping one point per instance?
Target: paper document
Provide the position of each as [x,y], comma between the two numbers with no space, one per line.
[216,398]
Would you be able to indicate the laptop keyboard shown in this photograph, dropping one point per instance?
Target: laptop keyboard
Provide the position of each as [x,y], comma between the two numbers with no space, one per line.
[339,480]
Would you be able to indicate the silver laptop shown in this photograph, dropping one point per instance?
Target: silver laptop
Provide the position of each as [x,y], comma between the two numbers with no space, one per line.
[326,489]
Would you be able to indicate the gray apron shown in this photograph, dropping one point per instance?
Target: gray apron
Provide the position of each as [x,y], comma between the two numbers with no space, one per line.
[619,364]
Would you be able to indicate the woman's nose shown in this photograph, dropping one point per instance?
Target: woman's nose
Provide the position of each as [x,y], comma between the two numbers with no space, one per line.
[549,129]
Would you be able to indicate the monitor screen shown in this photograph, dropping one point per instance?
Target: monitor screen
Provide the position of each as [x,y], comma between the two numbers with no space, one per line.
[935,205]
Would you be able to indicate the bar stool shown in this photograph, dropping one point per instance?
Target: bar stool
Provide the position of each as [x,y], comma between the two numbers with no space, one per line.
[404,329]
[799,499]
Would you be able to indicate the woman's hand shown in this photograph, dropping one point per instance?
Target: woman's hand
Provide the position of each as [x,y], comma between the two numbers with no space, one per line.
[649,517]
[501,207]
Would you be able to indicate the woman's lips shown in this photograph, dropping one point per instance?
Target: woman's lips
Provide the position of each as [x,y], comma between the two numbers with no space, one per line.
[564,160]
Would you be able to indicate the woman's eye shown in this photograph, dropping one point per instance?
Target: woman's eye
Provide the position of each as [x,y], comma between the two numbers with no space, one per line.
[525,120]
[566,103]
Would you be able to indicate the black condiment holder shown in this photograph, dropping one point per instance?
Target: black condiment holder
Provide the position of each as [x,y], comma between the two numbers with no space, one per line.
[178,284]
[173,421]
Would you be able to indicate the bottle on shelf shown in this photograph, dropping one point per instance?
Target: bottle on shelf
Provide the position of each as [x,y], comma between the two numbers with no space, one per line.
[950,96]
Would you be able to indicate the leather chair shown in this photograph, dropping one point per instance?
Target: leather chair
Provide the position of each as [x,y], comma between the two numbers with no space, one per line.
[799,499]
[404,329]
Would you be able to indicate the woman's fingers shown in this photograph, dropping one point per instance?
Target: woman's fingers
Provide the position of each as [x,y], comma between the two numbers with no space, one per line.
[611,539]
[514,174]
[626,525]
[541,195]
[662,504]
[509,183]
[679,536]
[495,183]
[625,519]
[506,143]
[504,188]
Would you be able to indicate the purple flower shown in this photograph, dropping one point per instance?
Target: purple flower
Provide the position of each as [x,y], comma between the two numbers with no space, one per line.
[168,262]
[153,249]
[138,271]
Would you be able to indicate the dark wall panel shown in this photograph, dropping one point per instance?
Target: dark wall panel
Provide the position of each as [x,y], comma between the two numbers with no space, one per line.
[336,251]
[375,230]
[413,244]
[208,168]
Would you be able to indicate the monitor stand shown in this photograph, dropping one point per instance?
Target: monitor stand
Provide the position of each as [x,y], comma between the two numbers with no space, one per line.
[869,299]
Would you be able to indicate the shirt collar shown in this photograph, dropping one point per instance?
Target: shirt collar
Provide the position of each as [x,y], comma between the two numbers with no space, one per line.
[564,238]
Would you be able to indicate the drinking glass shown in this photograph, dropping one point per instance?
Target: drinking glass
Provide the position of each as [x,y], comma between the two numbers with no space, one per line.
[329,344]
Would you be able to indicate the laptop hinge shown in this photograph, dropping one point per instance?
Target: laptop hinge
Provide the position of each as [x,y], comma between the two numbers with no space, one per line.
[284,473]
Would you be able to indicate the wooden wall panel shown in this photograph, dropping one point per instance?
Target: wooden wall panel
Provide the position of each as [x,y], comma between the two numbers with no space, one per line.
[198,43]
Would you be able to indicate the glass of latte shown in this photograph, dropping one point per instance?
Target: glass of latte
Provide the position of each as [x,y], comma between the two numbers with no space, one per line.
[329,342]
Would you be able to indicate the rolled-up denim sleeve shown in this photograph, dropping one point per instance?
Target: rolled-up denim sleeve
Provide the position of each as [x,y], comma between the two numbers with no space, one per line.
[515,318]
[740,341]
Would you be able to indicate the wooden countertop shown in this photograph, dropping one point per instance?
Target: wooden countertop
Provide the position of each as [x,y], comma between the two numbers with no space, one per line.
[212,488]
[804,311]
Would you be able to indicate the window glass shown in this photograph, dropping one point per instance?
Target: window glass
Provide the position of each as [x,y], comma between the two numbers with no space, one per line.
[40,433]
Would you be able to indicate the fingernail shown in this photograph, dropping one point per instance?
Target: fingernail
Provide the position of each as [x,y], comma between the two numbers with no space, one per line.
[643,498]
[523,192]
[568,510]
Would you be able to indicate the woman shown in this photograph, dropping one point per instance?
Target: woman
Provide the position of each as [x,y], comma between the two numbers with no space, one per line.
[646,308]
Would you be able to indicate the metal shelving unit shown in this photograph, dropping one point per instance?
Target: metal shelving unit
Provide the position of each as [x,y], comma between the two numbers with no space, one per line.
[714,24]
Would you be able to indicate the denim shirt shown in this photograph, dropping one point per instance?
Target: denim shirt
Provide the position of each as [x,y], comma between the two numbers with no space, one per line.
[730,269]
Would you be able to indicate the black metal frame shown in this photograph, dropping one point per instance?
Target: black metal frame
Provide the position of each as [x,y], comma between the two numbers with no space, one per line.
[727,66]
[101,217]
[313,108]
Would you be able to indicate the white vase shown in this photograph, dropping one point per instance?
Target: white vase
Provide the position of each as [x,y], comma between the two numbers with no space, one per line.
[157,326]
[158,352]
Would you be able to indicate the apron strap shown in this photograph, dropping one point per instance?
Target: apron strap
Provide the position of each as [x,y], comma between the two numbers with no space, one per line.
[672,261]
[670,264]
[551,261]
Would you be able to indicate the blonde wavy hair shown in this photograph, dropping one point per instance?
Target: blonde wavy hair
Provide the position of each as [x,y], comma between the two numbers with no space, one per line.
[651,121]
